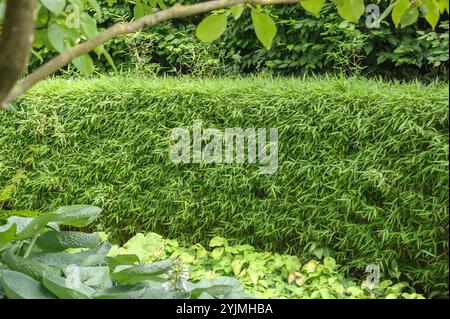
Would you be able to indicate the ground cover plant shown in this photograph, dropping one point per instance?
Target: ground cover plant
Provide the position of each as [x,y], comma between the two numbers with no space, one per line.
[264,274]
[34,264]
[362,166]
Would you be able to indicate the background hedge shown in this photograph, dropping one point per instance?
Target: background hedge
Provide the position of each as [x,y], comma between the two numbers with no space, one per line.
[363,165]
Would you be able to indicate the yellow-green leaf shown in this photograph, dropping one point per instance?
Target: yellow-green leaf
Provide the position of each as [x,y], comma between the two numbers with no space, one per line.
[351,10]
[313,6]
[401,6]
[432,12]
[212,27]
[265,28]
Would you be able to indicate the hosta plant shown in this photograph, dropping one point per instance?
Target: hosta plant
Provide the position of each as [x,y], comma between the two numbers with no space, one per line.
[41,261]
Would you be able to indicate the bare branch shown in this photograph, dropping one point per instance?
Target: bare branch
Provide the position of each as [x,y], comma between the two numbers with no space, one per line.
[15,43]
[176,11]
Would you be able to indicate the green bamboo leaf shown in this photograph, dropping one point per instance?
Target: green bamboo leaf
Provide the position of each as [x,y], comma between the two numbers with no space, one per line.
[265,28]
[212,27]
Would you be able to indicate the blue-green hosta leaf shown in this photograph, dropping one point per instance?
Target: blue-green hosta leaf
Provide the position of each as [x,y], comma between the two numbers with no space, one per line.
[212,27]
[55,6]
[64,288]
[54,241]
[77,215]
[90,276]
[121,292]
[134,274]
[313,6]
[21,286]
[265,28]
[215,287]
[92,257]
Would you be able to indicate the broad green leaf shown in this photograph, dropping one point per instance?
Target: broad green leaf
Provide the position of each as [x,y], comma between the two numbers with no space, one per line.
[55,6]
[90,276]
[54,241]
[218,242]
[78,3]
[351,10]
[410,16]
[121,292]
[56,35]
[94,4]
[329,262]
[215,287]
[139,10]
[84,64]
[21,286]
[236,11]
[432,13]
[88,25]
[212,27]
[8,235]
[442,5]
[133,275]
[63,288]
[313,6]
[29,267]
[125,259]
[92,257]
[400,8]
[265,28]
[78,215]
[2,11]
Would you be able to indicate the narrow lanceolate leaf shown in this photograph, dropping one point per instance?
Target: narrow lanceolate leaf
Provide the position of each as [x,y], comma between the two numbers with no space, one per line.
[265,28]
[212,27]
[54,241]
[401,6]
[351,10]
[431,13]
[132,275]
[313,6]
[21,286]
[55,6]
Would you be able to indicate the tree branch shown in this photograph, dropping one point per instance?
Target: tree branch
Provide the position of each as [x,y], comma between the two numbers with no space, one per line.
[15,43]
[176,11]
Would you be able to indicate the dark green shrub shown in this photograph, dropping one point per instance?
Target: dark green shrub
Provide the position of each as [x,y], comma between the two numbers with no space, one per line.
[362,165]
